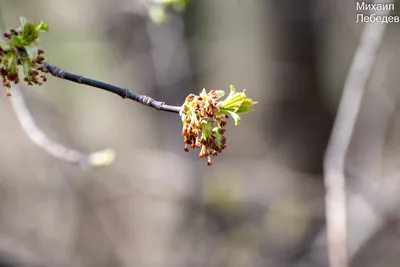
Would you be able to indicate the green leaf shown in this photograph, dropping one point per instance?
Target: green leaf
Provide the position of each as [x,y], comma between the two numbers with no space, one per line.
[233,101]
[27,66]
[32,51]
[158,15]
[237,101]
[23,21]
[220,94]
[182,3]
[5,47]
[235,117]
[16,40]
[6,58]
[243,109]
[42,27]
[245,106]
[12,60]
[232,89]
[29,33]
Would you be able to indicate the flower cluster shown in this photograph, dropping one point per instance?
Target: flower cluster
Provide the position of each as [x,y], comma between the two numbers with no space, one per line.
[19,47]
[205,114]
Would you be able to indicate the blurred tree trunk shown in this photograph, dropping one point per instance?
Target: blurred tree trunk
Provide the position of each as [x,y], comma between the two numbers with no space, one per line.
[302,121]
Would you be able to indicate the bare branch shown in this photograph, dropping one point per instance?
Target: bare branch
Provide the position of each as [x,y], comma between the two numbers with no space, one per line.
[346,118]
[122,92]
[96,159]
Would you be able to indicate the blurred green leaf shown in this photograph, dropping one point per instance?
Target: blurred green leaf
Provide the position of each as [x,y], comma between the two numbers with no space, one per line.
[235,117]
[23,21]
[26,67]
[5,47]
[29,33]
[157,14]
[32,51]
[16,40]
[42,27]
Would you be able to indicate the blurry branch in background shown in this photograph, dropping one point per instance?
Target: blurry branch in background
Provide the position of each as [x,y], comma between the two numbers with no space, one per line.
[86,161]
[96,159]
[334,162]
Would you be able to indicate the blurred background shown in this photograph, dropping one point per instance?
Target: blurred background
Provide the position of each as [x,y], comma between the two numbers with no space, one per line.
[262,201]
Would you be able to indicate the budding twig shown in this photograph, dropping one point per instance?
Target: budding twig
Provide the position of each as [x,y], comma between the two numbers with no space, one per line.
[199,113]
[122,92]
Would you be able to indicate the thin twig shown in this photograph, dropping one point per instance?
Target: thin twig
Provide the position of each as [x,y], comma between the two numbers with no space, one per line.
[334,162]
[96,159]
[122,92]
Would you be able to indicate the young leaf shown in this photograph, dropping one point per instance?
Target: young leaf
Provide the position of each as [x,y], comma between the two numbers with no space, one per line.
[42,27]
[23,21]
[32,51]
[17,41]
[29,33]
[5,47]
[235,117]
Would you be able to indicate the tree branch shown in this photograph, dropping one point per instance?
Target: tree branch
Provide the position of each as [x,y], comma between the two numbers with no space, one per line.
[122,92]
[334,162]
[96,159]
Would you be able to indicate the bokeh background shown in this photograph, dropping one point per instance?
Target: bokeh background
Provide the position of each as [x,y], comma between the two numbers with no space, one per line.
[262,201]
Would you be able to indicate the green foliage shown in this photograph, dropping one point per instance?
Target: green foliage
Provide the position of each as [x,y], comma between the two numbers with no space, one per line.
[236,103]
[158,12]
[20,47]
[178,5]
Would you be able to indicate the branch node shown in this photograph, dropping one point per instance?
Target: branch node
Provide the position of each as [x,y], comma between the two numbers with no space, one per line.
[148,101]
[56,71]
